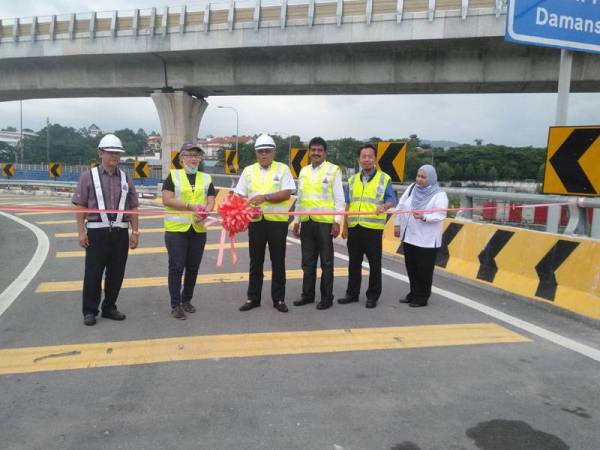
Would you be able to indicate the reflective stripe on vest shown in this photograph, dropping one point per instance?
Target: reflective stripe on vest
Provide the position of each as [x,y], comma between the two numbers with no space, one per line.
[316,192]
[104,221]
[180,223]
[365,198]
[271,183]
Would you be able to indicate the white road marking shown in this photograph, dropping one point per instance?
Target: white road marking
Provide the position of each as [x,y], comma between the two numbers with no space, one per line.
[558,339]
[16,287]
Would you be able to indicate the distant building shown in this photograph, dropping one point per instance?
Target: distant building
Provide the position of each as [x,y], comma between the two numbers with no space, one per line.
[13,137]
[212,145]
[94,131]
[153,144]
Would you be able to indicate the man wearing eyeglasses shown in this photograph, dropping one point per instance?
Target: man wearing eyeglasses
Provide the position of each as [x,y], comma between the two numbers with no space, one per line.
[267,184]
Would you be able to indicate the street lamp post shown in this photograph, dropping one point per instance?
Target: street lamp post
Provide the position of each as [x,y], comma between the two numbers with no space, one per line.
[237,125]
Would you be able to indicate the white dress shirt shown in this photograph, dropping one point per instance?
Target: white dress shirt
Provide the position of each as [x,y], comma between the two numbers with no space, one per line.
[422,233]
[287,182]
[338,190]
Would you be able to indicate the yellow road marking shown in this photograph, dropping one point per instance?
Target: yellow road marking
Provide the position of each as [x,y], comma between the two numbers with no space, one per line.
[142,230]
[191,348]
[233,277]
[72,221]
[146,250]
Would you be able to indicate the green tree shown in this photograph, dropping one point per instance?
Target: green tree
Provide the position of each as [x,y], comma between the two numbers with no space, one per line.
[445,172]
[492,174]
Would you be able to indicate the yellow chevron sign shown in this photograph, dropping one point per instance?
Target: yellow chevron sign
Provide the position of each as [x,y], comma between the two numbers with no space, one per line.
[8,170]
[391,157]
[55,169]
[175,163]
[231,162]
[298,159]
[141,169]
[573,161]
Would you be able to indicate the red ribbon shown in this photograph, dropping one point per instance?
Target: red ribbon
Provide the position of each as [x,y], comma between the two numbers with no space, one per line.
[236,215]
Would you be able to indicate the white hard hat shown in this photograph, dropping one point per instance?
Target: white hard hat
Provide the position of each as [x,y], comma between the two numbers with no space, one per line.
[111,143]
[264,141]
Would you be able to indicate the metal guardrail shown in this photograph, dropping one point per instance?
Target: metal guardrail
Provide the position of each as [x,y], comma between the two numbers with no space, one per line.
[579,221]
[238,14]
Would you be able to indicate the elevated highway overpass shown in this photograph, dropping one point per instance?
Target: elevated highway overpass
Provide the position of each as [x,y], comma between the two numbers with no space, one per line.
[180,56]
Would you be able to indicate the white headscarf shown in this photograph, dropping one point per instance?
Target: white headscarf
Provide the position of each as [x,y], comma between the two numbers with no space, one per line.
[421,195]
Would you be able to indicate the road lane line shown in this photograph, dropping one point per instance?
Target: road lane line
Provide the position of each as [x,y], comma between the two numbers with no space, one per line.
[555,338]
[142,230]
[30,271]
[192,348]
[233,277]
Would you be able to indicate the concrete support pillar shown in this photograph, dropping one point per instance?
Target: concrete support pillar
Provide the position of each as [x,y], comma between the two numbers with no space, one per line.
[180,116]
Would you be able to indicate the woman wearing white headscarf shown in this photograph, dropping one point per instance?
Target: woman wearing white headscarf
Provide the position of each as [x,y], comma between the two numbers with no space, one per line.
[421,232]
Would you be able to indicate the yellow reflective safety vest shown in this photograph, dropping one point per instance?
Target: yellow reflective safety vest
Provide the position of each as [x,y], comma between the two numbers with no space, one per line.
[271,183]
[315,191]
[366,197]
[180,223]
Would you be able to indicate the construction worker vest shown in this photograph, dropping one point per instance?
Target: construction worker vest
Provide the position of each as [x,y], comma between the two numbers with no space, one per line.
[316,191]
[180,223]
[366,197]
[271,183]
[105,221]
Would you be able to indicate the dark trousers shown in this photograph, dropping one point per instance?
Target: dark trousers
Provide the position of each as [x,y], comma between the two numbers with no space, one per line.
[316,241]
[260,234]
[364,241]
[185,254]
[420,262]
[106,254]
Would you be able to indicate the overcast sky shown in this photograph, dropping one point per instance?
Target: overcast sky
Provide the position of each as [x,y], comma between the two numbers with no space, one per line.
[511,119]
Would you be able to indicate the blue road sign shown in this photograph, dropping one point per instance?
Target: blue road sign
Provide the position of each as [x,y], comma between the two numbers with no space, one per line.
[569,24]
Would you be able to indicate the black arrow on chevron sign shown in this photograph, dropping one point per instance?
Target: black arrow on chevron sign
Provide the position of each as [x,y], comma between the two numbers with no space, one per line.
[141,169]
[297,161]
[230,164]
[566,160]
[54,170]
[8,170]
[386,163]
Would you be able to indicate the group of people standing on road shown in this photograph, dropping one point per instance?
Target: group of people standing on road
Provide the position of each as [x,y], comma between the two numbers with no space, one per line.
[188,195]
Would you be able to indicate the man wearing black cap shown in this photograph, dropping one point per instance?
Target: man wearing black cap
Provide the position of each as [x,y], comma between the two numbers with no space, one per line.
[188,195]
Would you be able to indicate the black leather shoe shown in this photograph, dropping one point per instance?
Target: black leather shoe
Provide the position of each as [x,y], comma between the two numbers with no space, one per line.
[89,319]
[371,303]
[302,302]
[323,304]
[405,300]
[281,307]
[346,300]
[249,305]
[114,314]
[417,305]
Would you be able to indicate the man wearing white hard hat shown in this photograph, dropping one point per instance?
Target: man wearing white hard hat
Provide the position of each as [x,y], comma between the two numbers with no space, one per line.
[105,235]
[267,184]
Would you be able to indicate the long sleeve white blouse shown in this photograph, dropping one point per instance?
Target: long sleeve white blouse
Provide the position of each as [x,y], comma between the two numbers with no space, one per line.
[422,233]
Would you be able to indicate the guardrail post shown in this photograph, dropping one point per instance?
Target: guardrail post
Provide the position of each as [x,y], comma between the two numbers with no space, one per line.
[283,14]
[466,201]
[33,30]
[578,223]
[231,15]
[206,17]
[183,19]
[52,29]
[72,27]
[136,22]
[431,10]
[311,13]
[15,30]
[499,4]
[165,21]
[553,219]
[399,10]
[257,14]
[464,10]
[93,25]
[152,21]
[595,231]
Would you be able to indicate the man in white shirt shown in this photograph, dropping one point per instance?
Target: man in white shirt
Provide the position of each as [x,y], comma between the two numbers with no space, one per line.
[269,185]
[319,189]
